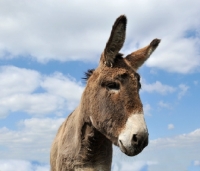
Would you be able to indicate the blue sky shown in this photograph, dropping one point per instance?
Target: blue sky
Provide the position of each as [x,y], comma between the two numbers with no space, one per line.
[45,48]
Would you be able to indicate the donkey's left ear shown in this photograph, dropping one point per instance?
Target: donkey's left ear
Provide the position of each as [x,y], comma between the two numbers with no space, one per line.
[137,58]
[115,41]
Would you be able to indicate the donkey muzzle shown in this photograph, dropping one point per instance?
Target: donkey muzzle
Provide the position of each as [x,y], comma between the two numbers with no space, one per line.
[134,137]
[136,146]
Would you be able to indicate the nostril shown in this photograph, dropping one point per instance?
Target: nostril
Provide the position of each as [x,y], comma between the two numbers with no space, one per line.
[134,138]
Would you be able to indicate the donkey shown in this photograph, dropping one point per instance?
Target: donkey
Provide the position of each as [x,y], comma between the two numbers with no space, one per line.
[110,111]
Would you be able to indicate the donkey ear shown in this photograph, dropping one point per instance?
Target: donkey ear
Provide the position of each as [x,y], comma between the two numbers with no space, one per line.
[137,58]
[115,41]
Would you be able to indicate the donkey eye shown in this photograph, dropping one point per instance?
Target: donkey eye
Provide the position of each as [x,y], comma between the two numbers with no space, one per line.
[112,86]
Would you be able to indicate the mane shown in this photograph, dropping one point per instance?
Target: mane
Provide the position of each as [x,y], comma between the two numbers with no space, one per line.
[88,74]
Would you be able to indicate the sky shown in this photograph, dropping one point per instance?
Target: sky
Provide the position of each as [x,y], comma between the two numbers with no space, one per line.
[45,48]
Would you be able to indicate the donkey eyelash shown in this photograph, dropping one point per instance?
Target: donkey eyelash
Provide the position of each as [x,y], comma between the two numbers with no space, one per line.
[139,85]
[138,79]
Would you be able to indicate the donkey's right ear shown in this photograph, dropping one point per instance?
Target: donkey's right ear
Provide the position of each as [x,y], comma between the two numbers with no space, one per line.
[115,42]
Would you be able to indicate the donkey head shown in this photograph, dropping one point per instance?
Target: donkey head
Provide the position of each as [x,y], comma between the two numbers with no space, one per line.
[111,98]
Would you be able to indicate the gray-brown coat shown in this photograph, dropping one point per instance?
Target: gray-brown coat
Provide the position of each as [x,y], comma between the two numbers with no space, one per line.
[110,111]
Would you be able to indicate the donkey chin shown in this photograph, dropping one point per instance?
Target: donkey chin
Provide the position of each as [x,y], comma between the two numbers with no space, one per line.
[134,137]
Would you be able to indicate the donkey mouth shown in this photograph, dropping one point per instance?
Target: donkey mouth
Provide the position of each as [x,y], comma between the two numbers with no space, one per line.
[133,151]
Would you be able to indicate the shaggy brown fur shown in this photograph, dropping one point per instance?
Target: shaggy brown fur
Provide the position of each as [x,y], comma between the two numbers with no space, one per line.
[84,141]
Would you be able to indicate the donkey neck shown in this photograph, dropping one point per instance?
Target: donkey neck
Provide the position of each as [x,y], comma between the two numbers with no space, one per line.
[95,149]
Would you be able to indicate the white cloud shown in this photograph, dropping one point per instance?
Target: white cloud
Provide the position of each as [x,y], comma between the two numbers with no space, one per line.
[62,86]
[147,108]
[186,139]
[170,126]
[179,151]
[164,89]
[48,29]
[21,165]
[131,166]
[18,80]
[183,89]
[164,105]
[157,87]
[197,162]
[11,165]
[37,104]
[32,141]
[60,93]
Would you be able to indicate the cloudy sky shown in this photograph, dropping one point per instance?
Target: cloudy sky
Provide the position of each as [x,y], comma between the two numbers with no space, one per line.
[45,48]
